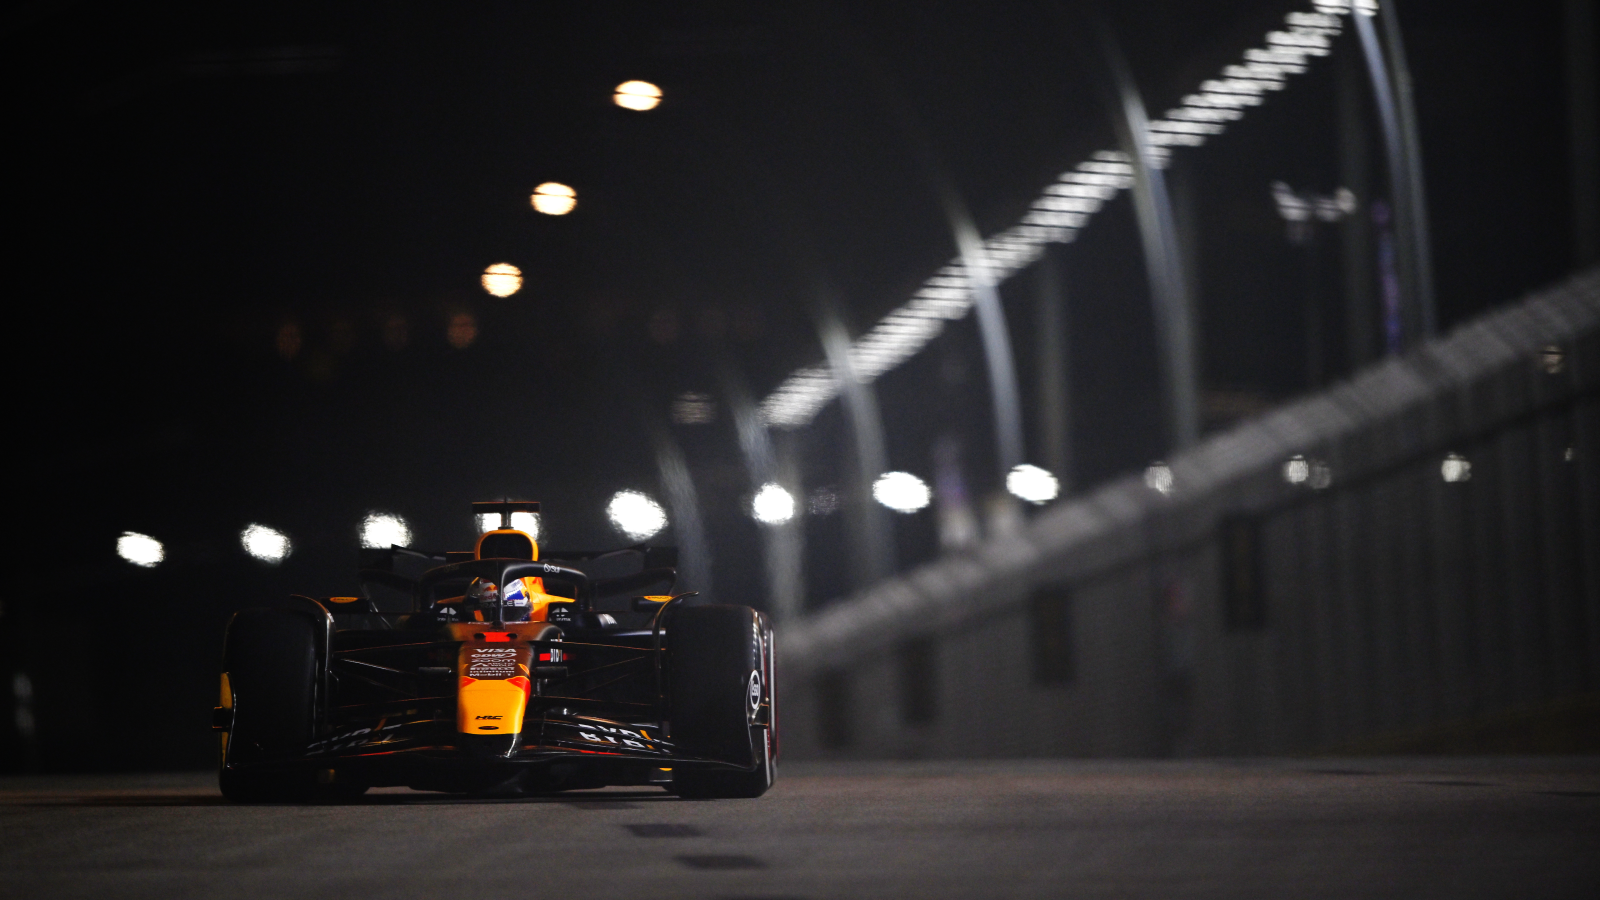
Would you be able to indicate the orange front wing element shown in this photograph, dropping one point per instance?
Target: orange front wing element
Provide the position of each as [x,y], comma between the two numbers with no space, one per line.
[491,707]
[492,691]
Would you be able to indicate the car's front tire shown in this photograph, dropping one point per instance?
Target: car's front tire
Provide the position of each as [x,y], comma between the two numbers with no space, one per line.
[718,683]
[270,656]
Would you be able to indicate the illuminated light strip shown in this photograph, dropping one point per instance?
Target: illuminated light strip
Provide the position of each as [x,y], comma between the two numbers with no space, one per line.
[1073,189]
[1247,86]
[1107,168]
[1187,127]
[1215,100]
[1260,71]
[1314,23]
[1312,43]
[1203,114]
[1065,207]
[1290,61]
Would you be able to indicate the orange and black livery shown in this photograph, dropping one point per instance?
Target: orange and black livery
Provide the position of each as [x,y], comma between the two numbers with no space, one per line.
[499,671]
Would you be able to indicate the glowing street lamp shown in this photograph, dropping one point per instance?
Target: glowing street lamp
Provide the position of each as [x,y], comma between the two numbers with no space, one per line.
[1032,484]
[502,279]
[265,543]
[554,199]
[637,95]
[902,492]
[636,515]
[142,550]
[772,505]
[384,530]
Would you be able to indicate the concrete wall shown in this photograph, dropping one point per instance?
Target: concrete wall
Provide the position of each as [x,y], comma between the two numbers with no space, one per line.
[1244,614]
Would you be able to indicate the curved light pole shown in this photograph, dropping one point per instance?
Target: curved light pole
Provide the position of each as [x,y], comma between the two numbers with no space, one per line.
[1158,236]
[993,332]
[782,542]
[875,557]
[1391,91]
[684,503]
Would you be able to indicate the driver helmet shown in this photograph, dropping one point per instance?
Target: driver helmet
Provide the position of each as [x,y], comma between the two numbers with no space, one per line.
[513,605]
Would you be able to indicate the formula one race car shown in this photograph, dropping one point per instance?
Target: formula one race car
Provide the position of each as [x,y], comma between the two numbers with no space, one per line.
[501,674]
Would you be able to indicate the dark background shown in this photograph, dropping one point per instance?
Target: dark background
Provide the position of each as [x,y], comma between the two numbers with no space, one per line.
[244,230]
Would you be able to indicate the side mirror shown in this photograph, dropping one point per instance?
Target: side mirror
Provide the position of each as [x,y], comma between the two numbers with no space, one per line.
[648,604]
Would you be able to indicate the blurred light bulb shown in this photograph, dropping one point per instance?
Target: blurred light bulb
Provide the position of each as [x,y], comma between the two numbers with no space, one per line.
[636,515]
[901,491]
[1455,468]
[1297,470]
[265,543]
[772,504]
[1158,477]
[141,549]
[693,408]
[384,530]
[1553,359]
[461,330]
[554,199]
[502,279]
[1032,484]
[637,95]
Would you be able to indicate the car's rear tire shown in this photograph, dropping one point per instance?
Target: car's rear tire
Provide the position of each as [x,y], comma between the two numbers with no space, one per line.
[717,684]
[270,656]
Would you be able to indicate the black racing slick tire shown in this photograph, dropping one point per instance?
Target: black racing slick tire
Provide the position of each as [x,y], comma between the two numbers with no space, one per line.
[719,700]
[270,656]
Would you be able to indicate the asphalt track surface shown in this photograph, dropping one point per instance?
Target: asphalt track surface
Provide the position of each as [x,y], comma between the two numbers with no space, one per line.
[1350,828]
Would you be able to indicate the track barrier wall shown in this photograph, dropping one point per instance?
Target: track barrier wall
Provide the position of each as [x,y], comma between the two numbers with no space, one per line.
[1409,561]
